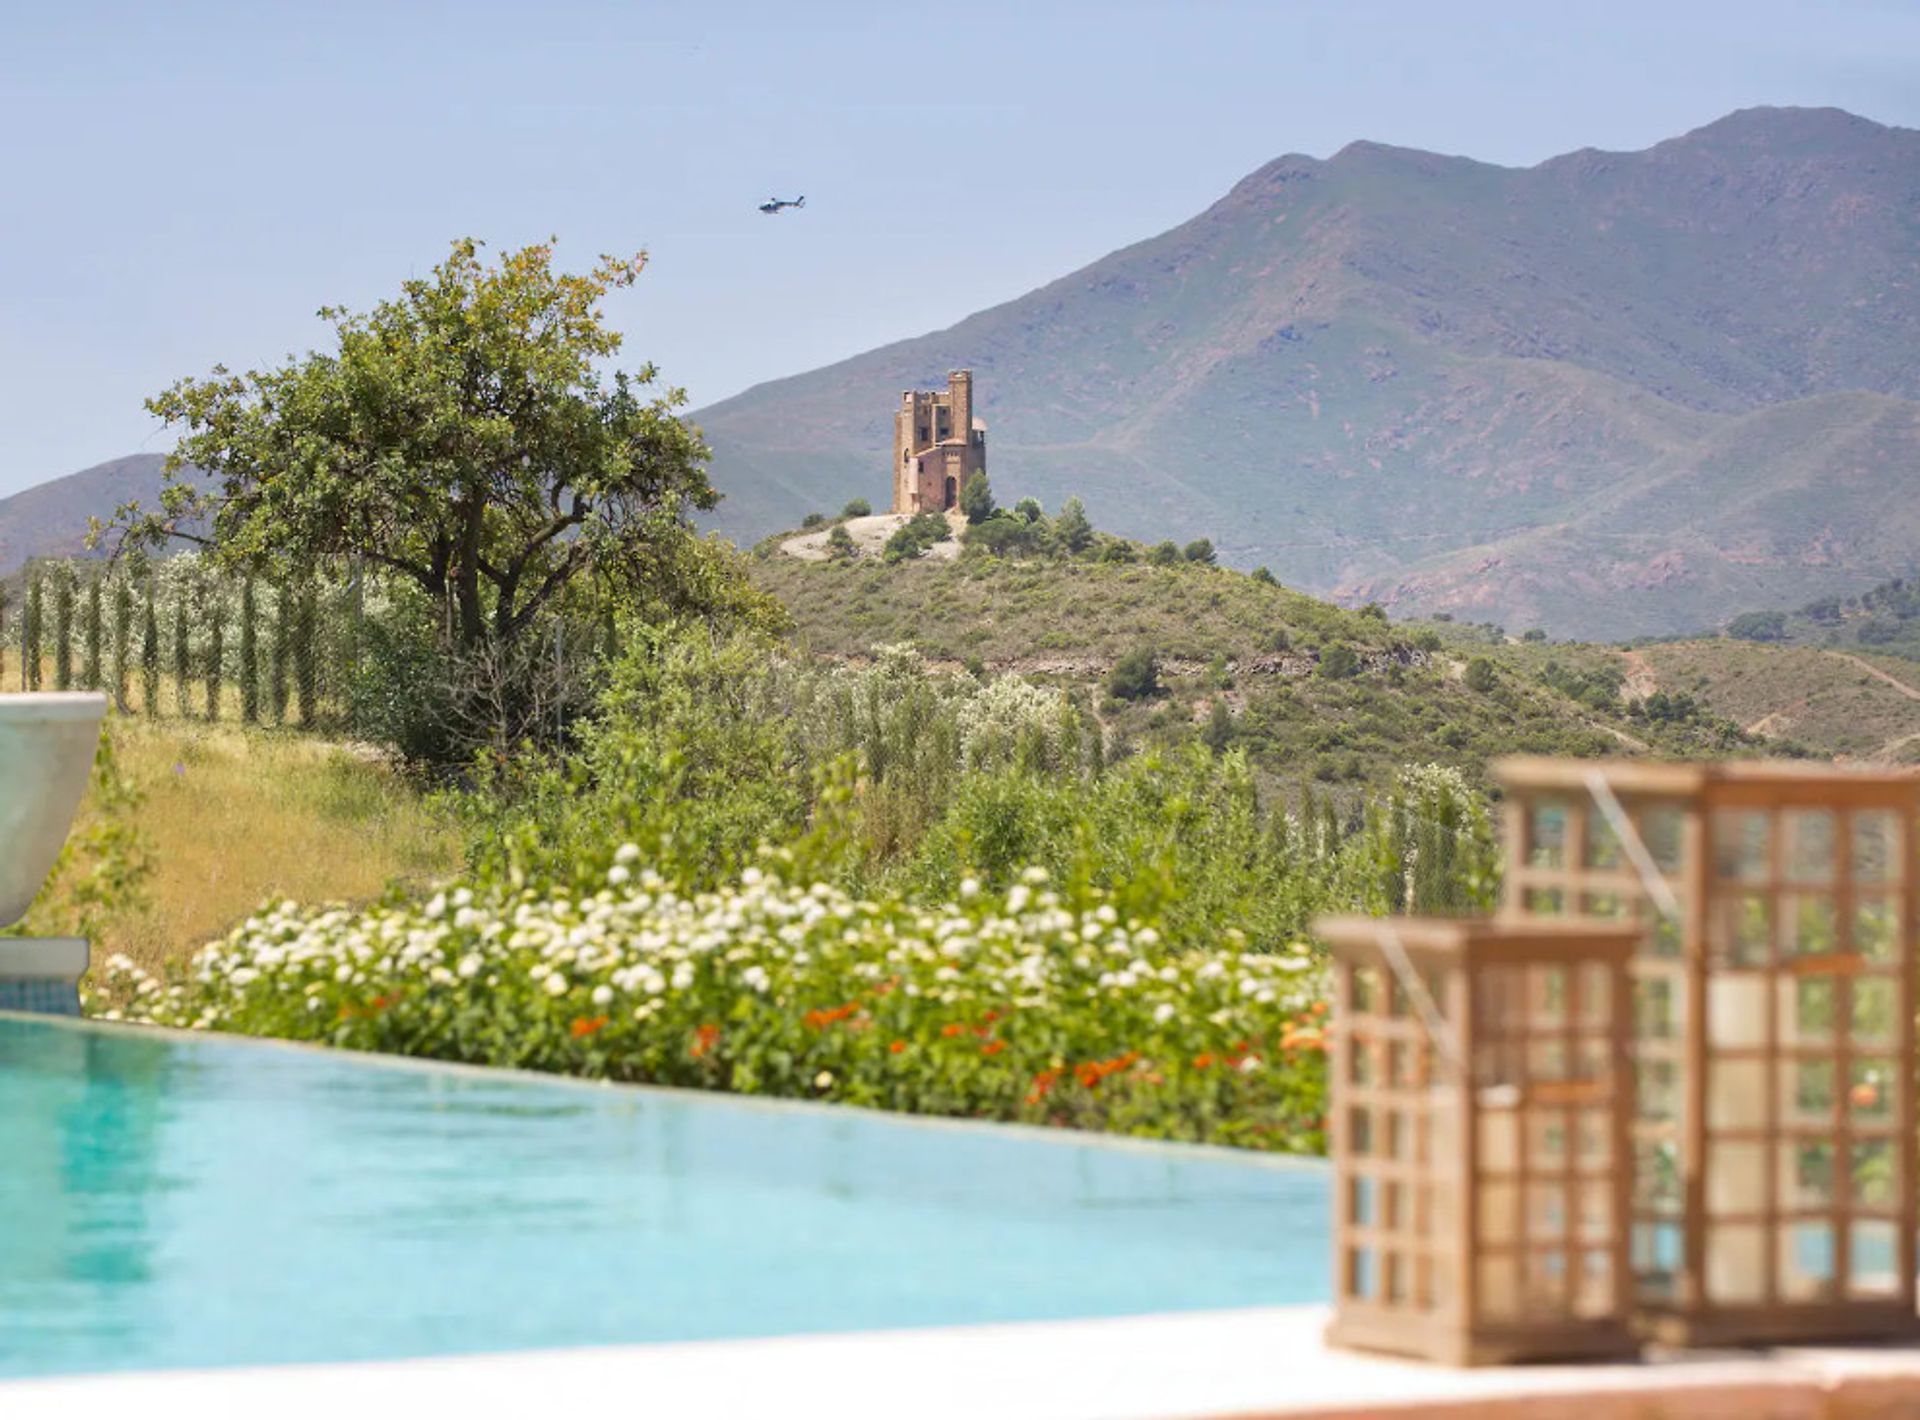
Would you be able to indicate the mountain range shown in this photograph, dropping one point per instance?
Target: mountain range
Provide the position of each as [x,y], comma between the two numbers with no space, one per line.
[1613,394]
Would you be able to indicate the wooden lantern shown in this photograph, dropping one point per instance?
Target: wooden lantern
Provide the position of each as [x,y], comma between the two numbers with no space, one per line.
[1773,1029]
[1479,1119]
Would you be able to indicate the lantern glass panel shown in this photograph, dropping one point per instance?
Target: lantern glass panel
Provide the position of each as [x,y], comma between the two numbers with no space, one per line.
[1742,845]
[1663,830]
[1873,1258]
[1736,1263]
[1806,1010]
[1874,935]
[1872,1180]
[1737,1094]
[1810,840]
[1806,1174]
[1875,1010]
[1603,851]
[1547,835]
[1808,925]
[1744,928]
[1870,1092]
[1737,1010]
[1806,1262]
[1736,1177]
[1876,846]
[1807,1092]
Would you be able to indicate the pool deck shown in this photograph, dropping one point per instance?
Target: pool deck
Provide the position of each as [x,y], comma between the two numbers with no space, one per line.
[1231,1365]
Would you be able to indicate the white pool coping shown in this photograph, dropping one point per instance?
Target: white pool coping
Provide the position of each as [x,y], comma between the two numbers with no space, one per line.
[1226,1365]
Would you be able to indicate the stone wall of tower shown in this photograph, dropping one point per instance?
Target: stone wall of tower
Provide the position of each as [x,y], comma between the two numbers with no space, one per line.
[935,446]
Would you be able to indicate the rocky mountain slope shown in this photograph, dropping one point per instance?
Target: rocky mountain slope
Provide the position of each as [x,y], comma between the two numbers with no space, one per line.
[1612,394]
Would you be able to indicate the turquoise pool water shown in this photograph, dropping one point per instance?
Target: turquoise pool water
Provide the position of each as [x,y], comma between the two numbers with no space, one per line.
[208,1202]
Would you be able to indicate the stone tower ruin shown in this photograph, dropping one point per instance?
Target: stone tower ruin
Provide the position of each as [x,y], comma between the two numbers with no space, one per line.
[937,446]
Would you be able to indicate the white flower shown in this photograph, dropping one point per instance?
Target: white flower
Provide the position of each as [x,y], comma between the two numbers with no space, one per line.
[470,965]
[602,995]
[630,853]
[1163,1013]
[555,984]
[969,889]
[824,1080]
[754,978]
[618,874]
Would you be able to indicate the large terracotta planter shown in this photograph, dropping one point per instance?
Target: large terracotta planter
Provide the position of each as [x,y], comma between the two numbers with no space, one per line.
[47,744]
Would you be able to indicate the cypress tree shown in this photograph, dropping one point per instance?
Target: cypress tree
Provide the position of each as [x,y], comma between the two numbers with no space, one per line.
[3,622]
[150,651]
[122,634]
[282,650]
[30,633]
[306,670]
[249,657]
[182,656]
[91,636]
[63,629]
[216,651]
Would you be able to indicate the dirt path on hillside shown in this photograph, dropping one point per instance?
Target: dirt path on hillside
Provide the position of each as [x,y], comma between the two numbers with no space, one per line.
[1767,724]
[1641,681]
[1877,673]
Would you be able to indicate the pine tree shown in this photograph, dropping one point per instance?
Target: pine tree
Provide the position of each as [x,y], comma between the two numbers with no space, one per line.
[150,651]
[122,634]
[30,633]
[63,629]
[282,649]
[182,656]
[249,656]
[91,636]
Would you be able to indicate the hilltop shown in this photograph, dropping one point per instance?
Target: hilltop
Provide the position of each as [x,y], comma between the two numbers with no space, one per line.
[1314,691]
[1613,394]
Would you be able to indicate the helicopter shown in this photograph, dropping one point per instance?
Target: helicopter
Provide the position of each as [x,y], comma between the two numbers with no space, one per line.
[774,204]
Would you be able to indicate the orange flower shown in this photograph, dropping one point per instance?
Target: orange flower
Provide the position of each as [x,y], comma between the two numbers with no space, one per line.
[704,1040]
[991,1017]
[1202,1061]
[820,1020]
[584,1026]
[897,1046]
[951,1029]
[1865,1095]
[993,1047]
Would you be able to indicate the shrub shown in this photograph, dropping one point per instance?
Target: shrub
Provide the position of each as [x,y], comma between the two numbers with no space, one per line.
[1199,550]
[976,498]
[1265,577]
[1533,633]
[1759,626]
[857,508]
[1042,1005]
[840,544]
[1338,661]
[915,536]
[1072,529]
[1135,676]
[1030,509]
[1165,554]
[1480,676]
[813,520]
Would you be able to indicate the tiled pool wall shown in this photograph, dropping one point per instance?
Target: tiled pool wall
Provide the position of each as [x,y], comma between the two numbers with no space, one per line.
[40,995]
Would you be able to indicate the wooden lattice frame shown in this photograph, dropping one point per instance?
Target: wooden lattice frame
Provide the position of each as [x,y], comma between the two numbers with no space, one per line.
[1755,1220]
[1447,1175]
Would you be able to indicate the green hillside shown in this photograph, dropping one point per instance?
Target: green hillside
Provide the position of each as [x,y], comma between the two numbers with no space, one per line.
[1313,691]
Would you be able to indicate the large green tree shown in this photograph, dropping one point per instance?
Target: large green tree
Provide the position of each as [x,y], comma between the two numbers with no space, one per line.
[464,436]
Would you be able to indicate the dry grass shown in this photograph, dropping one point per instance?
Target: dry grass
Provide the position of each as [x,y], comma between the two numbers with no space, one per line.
[233,816]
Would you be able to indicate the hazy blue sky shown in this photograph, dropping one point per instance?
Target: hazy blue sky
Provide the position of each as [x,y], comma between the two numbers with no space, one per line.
[185,183]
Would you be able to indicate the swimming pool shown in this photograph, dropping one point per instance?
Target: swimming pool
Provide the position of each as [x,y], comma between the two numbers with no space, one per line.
[176,1201]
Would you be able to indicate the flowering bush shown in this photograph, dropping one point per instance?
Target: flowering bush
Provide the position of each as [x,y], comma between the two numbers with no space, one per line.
[1030,1005]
